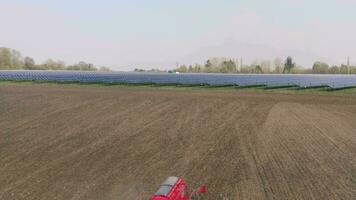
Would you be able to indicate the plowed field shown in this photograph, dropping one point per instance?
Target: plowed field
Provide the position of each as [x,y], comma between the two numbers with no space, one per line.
[89,143]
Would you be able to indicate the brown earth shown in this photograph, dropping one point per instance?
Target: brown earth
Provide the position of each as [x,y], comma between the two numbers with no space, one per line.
[82,142]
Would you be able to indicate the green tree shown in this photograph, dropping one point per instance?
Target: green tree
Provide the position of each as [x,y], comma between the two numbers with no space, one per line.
[258,69]
[10,59]
[208,66]
[182,69]
[352,69]
[266,66]
[278,65]
[53,65]
[289,65]
[248,69]
[29,63]
[334,70]
[228,67]
[5,58]
[297,70]
[16,60]
[197,68]
[104,69]
[82,66]
[320,68]
[190,69]
[344,69]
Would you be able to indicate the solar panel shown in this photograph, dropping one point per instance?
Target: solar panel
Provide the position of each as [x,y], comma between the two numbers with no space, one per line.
[269,80]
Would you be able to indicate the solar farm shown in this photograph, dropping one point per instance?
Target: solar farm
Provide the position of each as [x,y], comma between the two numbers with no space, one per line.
[304,81]
[90,142]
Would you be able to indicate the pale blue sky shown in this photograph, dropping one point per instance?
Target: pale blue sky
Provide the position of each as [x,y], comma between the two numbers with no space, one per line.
[158,33]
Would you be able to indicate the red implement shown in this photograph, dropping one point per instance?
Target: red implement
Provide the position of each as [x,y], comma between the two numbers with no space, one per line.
[175,189]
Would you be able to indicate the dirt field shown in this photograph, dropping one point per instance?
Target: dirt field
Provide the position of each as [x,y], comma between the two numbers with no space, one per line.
[63,142]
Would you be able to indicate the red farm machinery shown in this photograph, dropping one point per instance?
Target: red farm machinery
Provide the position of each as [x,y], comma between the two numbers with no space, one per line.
[174,188]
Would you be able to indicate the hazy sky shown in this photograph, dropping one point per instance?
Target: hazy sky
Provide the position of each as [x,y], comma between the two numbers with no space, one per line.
[159,33]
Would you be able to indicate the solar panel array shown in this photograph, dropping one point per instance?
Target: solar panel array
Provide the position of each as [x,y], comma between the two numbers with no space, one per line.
[268,80]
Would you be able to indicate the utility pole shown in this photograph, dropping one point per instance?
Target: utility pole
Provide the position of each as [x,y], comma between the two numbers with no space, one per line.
[348,64]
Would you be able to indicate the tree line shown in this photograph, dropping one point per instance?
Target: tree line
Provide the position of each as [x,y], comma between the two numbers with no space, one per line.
[277,66]
[11,59]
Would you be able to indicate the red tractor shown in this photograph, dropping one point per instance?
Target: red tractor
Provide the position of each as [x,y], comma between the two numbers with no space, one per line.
[175,189]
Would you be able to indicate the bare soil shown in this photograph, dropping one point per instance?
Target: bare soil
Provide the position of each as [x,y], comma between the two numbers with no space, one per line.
[70,143]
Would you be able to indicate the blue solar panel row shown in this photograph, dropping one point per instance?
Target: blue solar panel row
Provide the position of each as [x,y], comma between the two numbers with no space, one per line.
[269,80]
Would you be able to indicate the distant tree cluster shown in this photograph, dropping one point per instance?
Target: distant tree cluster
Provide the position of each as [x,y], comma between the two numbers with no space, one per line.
[324,68]
[224,65]
[149,70]
[277,66]
[12,60]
